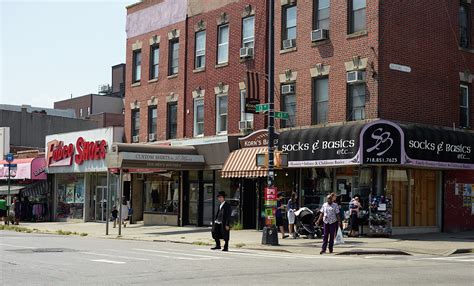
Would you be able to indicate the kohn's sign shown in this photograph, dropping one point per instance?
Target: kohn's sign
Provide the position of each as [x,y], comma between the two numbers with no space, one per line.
[61,154]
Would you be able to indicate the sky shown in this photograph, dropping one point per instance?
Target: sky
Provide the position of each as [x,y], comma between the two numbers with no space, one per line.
[52,49]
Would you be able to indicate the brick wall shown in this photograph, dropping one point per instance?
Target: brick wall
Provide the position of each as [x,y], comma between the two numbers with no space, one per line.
[424,37]
[456,216]
[231,74]
[76,103]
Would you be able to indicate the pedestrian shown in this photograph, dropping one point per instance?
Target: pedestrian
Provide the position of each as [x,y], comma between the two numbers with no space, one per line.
[291,208]
[280,207]
[17,210]
[221,225]
[125,210]
[331,219]
[3,210]
[114,215]
[354,207]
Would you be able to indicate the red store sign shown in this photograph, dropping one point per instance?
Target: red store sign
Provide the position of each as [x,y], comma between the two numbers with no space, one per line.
[59,154]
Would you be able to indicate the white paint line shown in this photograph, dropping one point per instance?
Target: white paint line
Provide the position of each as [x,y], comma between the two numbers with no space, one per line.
[108,261]
[164,256]
[177,253]
[466,260]
[18,246]
[114,256]
[269,255]
[450,257]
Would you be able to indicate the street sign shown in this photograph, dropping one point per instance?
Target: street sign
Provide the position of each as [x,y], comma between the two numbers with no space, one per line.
[10,165]
[9,157]
[282,115]
[262,107]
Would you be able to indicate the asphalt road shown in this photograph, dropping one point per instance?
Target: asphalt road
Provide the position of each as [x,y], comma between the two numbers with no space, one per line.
[38,259]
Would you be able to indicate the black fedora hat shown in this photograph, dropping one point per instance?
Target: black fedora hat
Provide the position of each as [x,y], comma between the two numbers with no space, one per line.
[221,194]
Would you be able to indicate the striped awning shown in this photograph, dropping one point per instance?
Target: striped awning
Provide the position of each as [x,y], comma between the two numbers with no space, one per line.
[241,163]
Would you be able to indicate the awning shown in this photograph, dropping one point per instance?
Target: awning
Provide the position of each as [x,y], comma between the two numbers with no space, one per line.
[241,163]
[27,168]
[14,190]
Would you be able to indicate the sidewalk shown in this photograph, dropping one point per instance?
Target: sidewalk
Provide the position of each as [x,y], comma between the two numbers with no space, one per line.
[428,244]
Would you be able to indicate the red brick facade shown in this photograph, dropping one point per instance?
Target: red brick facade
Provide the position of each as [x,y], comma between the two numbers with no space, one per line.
[457,217]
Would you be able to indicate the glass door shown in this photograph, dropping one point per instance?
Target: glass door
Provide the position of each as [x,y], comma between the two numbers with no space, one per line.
[193,210]
[100,203]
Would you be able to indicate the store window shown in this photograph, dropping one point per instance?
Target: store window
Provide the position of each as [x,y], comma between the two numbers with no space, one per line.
[70,197]
[162,193]
[231,188]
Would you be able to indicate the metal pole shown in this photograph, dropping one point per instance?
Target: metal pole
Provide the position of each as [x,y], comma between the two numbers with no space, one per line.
[8,190]
[120,191]
[108,202]
[271,92]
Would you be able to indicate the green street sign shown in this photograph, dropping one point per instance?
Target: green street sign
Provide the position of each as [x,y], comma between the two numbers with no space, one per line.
[282,115]
[262,107]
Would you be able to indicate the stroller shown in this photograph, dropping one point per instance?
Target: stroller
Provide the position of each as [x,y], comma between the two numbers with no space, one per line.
[305,223]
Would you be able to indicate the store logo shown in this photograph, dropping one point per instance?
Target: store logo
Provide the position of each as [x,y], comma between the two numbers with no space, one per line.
[59,154]
[381,138]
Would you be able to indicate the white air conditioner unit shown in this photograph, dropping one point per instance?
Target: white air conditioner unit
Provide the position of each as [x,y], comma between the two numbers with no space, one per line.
[246,52]
[288,89]
[355,77]
[152,137]
[135,139]
[288,44]
[319,35]
[245,125]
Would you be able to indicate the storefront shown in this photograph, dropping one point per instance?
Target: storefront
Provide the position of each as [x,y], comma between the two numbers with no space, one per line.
[76,163]
[29,185]
[396,169]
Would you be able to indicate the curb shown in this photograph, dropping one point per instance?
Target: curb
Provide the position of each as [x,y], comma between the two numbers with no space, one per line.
[373,252]
[462,251]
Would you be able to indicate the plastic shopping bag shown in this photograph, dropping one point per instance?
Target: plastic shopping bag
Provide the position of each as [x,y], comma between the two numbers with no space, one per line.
[339,237]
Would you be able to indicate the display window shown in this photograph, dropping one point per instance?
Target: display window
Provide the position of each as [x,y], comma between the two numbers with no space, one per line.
[70,196]
[162,193]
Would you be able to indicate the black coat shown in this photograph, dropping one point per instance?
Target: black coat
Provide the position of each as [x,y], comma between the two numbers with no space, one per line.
[223,215]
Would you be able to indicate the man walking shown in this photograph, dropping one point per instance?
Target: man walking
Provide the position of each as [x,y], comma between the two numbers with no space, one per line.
[221,226]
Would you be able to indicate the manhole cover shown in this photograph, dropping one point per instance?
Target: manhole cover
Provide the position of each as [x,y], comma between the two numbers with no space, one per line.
[41,250]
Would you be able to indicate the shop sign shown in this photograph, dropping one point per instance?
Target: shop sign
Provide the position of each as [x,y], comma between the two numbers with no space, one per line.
[326,146]
[258,138]
[251,105]
[162,157]
[60,154]
[270,196]
[381,143]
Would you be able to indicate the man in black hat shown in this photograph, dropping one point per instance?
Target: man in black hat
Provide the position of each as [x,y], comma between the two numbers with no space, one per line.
[221,226]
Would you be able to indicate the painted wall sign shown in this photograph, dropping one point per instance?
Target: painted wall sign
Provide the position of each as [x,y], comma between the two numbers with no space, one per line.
[401,68]
[258,138]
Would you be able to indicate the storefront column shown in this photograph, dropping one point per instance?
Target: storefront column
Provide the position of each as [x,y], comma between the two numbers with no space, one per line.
[380,185]
[87,198]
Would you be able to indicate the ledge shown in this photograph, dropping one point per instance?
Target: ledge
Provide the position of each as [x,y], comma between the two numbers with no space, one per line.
[468,50]
[172,76]
[357,34]
[221,65]
[288,50]
[153,80]
[320,43]
[199,70]
[136,84]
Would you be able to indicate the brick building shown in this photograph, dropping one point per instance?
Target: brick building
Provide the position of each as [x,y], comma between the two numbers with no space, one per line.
[344,70]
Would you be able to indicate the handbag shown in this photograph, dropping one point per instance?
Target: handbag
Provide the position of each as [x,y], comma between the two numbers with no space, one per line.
[339,237]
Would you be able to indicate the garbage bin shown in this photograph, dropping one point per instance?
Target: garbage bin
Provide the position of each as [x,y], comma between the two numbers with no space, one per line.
[270,235]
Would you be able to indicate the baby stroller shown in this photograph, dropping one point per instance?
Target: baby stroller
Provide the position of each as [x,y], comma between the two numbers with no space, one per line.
[305,223]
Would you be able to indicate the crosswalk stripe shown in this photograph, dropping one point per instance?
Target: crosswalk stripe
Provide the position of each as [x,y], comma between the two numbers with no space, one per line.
[115,256]
[108,261]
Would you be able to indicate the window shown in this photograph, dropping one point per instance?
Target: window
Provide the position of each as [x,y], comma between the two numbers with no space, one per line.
[464,23]
[221,114]
[88,111]
[320,101]
[243,115]
[200,50]
[154,61]
[223,45]
[80,112]
[173,59]
[289,23]
[288,104]
[198,117]
[172,129]
[152,119]
[321,11]
[135,122]
[357,20]
[357,101]
[464,106]
[161,193]
[137,66]
[248,32]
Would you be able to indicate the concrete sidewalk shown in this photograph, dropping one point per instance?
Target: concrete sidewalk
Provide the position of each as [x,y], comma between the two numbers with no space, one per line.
[428,244]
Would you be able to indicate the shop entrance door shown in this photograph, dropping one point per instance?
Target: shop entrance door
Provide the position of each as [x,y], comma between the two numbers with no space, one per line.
[100,203]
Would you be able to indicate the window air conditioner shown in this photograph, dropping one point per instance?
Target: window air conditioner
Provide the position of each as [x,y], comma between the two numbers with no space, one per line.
[246,52]
[288,44]
[319,35]
[355,77]
[152,137]
[288,89]
[135,139]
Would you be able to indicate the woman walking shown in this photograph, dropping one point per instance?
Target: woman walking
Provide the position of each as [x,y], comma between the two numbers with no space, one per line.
[291,208]
[354,207]
[331,219]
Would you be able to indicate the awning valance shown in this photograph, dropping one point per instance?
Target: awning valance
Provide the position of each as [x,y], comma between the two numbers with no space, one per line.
[241,163]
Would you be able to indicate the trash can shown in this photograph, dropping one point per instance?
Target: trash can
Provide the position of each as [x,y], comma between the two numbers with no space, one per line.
[270,235]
